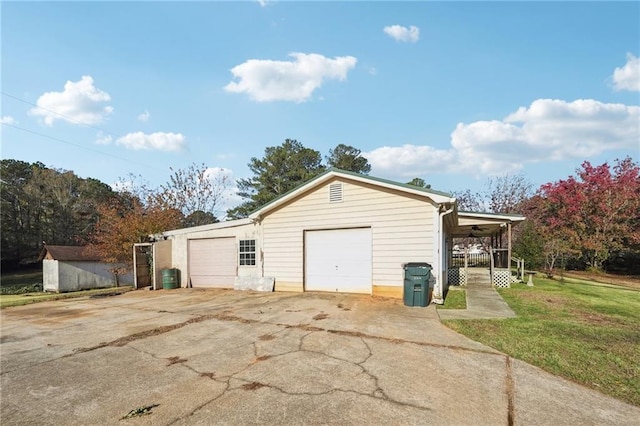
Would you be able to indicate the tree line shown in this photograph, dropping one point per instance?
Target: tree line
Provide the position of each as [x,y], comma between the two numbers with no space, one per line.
[590,220]
[42,205]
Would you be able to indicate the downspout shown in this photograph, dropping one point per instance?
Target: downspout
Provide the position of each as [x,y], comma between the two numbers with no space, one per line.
[258,221]
[438,290]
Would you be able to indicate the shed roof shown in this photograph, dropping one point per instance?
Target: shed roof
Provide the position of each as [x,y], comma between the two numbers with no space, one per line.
[482,224]
[68,253]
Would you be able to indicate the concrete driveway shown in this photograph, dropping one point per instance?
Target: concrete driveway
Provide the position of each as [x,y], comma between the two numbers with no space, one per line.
[202,357]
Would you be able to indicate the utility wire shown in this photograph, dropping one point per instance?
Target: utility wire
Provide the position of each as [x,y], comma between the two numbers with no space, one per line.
[79,146]
[66,117]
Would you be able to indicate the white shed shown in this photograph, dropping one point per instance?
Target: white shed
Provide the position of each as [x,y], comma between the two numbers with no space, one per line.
[73,268]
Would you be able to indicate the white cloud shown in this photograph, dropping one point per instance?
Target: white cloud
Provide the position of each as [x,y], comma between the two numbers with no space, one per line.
[628,77]
[547,130]
[160,141]
[102,139]
[7,119]
[262,3]
[410,160]
[400,33]
[144,116]
[267,80]
[80,103]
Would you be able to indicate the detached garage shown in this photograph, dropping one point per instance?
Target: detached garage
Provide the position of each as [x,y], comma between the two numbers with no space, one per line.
[345,232]
[339,232]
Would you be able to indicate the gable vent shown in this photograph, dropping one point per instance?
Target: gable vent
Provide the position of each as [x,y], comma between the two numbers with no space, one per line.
[335,192]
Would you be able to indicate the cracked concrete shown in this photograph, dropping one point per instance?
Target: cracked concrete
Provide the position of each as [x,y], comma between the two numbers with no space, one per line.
[227,357]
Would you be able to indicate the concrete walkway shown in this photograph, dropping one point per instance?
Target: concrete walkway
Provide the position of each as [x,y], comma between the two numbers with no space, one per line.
[482,303]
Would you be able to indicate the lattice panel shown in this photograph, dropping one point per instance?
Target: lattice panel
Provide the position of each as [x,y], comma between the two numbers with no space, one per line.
[502,278]
[457,276]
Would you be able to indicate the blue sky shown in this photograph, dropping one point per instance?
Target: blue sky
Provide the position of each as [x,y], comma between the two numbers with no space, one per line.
[451,92]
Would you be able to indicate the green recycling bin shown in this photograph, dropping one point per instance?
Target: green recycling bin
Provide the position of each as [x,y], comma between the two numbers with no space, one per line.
[416,283]
[170,278]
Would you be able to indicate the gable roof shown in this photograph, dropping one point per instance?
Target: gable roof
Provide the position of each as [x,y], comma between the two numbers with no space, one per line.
[68,253]
[436,196]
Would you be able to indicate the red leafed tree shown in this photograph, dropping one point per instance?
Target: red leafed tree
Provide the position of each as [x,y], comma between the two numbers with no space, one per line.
[596,212]
[125,220]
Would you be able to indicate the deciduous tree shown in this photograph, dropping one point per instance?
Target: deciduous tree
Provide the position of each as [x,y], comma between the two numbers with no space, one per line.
[197,191]
[597,210]
[126,220]
[45,204]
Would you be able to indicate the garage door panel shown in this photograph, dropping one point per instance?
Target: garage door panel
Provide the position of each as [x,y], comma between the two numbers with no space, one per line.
[212,262]
[338,260]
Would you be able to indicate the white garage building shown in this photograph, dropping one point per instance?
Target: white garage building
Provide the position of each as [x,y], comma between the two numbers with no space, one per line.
[339,232]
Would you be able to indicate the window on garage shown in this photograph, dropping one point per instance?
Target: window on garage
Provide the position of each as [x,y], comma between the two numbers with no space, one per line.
[247,253]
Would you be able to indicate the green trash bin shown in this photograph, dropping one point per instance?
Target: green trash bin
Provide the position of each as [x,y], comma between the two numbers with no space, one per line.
[416,283]
[170,278]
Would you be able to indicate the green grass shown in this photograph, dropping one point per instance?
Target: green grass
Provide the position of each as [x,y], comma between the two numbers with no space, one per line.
[21,282]
[24,287]
[586,333]
[456,299]
[7,300]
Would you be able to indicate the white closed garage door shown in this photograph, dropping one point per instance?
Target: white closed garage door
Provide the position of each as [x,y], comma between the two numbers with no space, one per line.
[212,262]
[338,260]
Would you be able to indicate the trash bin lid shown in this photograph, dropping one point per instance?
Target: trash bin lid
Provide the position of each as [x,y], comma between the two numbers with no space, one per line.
[417,265]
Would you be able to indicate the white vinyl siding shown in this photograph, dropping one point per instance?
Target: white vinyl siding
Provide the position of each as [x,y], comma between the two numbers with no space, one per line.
[402,229]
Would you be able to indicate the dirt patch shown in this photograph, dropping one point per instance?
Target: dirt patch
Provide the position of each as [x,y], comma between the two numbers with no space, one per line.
[103,295]
[341,306]
[266,337]
[175,360]
[263,358]
[547,299]
[209,375]
[595,318]
[252,386]
[632,281]
[321,316]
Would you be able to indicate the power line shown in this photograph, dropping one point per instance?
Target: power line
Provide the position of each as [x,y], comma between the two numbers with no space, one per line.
[66,117]
[78,145]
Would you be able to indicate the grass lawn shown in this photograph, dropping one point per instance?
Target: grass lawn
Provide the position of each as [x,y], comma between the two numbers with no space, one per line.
[21,282]
[456,299]
[7,300]
[587,333]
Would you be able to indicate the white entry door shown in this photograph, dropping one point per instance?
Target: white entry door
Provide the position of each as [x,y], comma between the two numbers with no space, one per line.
[338,260]
[212,262]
